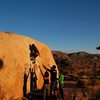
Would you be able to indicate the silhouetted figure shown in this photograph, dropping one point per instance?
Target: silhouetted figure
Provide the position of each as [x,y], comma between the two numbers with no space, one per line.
[53,73]
[46,77]
[25,84]
[46,85]
[35,82]
[33,52]
[33,79]
[61,84]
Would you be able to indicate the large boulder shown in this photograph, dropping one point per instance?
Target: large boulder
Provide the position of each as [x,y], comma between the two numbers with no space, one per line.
[15,58]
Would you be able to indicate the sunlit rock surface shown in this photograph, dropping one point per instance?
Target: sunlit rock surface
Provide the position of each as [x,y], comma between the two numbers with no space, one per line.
[14,58]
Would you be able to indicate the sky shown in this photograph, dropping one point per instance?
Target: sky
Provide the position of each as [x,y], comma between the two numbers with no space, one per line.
[65,25]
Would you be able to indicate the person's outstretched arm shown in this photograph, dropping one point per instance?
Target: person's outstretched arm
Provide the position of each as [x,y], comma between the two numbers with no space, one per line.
[46,68]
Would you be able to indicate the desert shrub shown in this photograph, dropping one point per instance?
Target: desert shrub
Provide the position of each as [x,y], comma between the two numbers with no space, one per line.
[80,84]
[83,83]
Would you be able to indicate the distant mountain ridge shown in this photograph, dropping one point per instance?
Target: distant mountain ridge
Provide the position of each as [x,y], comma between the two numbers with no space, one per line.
[77,60]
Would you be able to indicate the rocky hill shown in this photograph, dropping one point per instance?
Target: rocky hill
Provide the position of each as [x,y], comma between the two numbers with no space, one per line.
[82,68]
[76,62]
[15,61]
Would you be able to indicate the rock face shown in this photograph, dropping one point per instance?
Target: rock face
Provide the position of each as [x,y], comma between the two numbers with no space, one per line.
[14,58]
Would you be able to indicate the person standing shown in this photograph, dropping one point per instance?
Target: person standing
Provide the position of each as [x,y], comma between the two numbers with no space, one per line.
[61,84]
[33,80]
[53,73]
[46,85]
